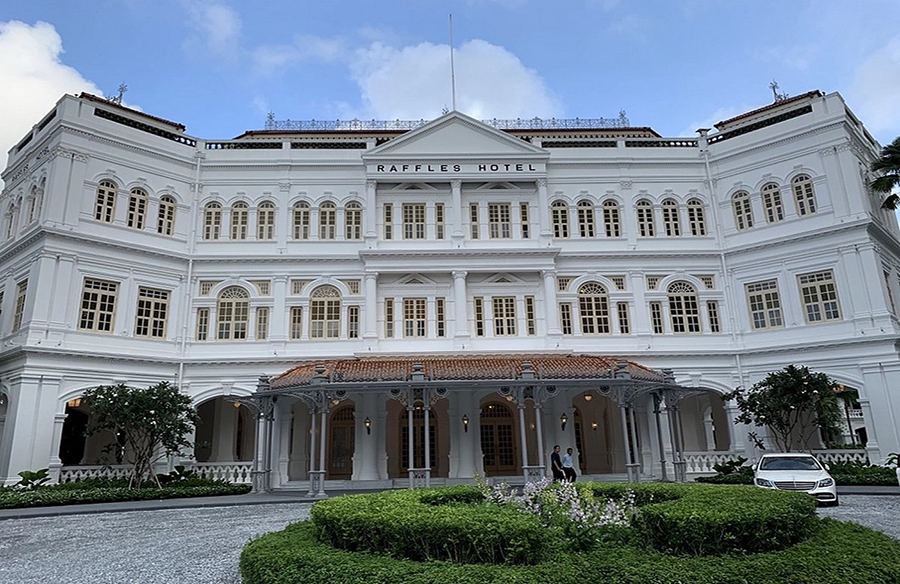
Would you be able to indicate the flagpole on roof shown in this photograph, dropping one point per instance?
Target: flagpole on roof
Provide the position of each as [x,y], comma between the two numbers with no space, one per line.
[452,70]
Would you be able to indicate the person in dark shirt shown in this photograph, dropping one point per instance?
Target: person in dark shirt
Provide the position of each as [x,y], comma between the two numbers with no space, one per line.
[556,465]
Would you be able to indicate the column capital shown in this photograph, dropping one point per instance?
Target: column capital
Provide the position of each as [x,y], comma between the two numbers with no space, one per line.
[548,273]
[371,183]
[371,275]
[460,274]
[456,184]
[541,183]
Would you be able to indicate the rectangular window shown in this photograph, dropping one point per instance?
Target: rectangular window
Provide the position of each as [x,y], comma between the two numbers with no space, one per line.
[137,210]
[98,305]
[622,309]
[202,324]
[499,222]
[646,225]
[565,318]
[440,317]
[765,305]
[504,316]
[656,321]
[19,311]
[301,221]
[389,318]
[297,287]
[152,310]
[712,309]
[262,323]
[414,318]
[478,312]
[474,227]
[388,221]
[523,219]
[413,220]
[887,284]
[530,321]
[439,221]
[296,322]
[819,295]
[353,322]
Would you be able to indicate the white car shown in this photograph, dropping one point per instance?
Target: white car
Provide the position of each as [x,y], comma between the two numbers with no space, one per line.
[796,471]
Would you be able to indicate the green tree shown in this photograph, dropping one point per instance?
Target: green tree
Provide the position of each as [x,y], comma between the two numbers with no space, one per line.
[149,423]
[793,403]
[888,169]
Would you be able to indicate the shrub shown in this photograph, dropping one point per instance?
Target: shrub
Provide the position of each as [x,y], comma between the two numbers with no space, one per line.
[111,490]
[837,553]
[860,473]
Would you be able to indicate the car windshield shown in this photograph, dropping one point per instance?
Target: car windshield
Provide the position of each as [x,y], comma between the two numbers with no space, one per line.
[789,463]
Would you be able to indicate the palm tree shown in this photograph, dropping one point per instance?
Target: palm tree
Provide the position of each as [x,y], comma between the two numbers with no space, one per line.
[888,169]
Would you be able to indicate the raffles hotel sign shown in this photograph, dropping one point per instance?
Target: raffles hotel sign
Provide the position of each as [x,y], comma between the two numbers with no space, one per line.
[458,168]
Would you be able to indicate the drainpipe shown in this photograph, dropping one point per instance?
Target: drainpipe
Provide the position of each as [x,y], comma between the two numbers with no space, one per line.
[191,248]
[720,242]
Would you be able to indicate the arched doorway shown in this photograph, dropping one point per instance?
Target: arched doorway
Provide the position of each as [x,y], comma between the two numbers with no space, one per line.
[341,442]
[498,444]
[418,440]
[226,432]
[72,440]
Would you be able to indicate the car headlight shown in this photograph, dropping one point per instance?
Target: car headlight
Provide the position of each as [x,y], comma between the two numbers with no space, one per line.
[826,482]
[765,483]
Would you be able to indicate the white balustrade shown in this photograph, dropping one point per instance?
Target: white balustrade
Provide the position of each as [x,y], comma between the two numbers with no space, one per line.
[72,474]
[842,455]
[232,472]
[703,462]
[238,473]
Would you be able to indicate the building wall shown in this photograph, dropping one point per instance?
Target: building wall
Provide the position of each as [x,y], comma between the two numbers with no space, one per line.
[51,356]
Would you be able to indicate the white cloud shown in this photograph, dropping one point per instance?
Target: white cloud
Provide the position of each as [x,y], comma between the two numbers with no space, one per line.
[218,28]
[33,77]
[270,58]
[876,88]
[414,82]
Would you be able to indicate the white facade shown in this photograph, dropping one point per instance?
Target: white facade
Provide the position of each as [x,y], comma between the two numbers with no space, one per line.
[133,252]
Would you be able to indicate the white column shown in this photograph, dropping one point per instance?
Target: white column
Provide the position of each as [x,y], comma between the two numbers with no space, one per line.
[545,234]
[461,320]
[456,222]
[365,453]
[550,308]
[224,431]
[278,326]
[371,306]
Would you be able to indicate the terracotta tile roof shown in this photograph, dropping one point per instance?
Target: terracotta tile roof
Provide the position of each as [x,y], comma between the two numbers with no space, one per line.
[457,368]
[104,101]
[773,105]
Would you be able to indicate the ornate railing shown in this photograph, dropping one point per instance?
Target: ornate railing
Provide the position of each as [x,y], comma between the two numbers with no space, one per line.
[842,455]
[703,461]
[621,121]
[233,472]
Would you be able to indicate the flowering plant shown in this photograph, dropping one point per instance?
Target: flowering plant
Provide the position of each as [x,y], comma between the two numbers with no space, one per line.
[583,520]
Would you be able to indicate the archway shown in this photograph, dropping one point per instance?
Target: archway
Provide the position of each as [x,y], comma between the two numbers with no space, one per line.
[225,433]
[341,442]
[598,434]
[498,440]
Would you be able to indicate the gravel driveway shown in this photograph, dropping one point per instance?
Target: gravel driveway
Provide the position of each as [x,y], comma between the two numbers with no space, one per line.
[196,546]
[202,545]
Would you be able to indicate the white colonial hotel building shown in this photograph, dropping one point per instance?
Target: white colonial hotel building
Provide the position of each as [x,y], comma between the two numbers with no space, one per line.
[325,292]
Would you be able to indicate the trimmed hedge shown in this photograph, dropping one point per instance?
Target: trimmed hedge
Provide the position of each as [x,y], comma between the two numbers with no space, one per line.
[837,553]
[102,492]
[432,524]
[444,524]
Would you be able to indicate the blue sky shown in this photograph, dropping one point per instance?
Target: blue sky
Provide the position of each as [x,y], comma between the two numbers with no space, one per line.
[219,66]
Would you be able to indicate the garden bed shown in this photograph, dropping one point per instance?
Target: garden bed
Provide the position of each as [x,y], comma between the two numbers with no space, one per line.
[111,490]
[678,533]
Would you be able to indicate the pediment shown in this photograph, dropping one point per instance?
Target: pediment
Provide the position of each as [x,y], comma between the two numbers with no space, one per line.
[503,278]
[415,280]
[455,135]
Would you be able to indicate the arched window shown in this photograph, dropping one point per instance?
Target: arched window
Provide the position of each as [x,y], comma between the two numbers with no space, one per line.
[696,218]
[560,216]
[301,221]
[212,221]
[240,219]
[646,225]
[233,313]
[12,215]
[593,306]
[327,221]
[586,219]
[36,200]
[684,308]
[612,219]
[165,222]
[265,221]
[353,221]
[671,222]
[105,207]
[771,200]
[325,313]
[743,213]
[804,195]
[137,208]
